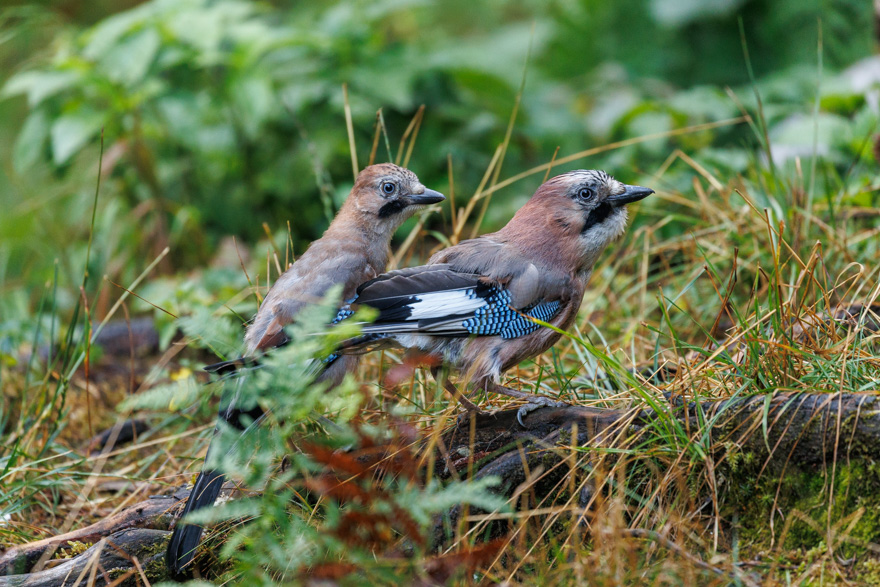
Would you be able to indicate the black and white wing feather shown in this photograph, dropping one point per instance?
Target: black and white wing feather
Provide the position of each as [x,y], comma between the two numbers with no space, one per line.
[436,300]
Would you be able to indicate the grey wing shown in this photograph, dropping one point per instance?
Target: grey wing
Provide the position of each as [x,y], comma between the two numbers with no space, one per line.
[526,278]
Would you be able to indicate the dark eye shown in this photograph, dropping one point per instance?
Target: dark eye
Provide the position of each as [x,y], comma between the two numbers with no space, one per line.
[586,194]
[388,188]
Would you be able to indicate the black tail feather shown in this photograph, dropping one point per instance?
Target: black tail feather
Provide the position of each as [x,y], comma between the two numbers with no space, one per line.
[185,538]
[232,366]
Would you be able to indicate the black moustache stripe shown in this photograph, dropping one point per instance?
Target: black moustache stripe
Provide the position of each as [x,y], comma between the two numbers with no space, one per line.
[391,208]
[597,215]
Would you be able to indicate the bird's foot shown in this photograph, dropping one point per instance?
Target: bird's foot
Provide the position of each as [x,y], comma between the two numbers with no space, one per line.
[464,418]
[536,403]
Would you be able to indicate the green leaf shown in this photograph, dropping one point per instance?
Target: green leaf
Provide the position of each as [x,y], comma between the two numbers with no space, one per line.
[218,334]
[648,123]
[108,32]
[130,60]
[231,510]
[801,130]
[71,132]
[765,417]
[30,141]
[704,103]
[184,114]
[169,397]
[677,13]
[255,103]
[207,28]
[39,85]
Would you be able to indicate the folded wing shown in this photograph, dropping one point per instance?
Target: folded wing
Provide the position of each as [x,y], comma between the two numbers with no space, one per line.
[437,300]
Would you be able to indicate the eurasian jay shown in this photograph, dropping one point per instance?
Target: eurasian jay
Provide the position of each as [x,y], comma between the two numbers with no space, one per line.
[472,305]
[354,249]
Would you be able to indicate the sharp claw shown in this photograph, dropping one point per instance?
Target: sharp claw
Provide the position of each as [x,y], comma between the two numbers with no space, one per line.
[535,404]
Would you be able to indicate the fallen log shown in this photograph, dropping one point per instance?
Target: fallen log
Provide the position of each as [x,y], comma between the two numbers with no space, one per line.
[805,429]
[152,514]
[118,434]
[802,429]
[130,557]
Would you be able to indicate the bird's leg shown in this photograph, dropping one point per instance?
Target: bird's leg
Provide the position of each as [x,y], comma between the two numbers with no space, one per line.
[535,401]
[493,387]
[465,402]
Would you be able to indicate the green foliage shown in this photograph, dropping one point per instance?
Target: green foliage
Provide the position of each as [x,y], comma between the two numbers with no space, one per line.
[191,306]
[217,107]
[222,114]
[289,529]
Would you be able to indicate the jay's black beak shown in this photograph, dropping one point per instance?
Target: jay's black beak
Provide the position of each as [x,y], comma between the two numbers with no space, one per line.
[633,193]
[423,199]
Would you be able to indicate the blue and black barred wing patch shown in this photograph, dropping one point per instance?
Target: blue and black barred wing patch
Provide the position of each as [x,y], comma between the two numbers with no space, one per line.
[344,313]
[498,318]
[437,301]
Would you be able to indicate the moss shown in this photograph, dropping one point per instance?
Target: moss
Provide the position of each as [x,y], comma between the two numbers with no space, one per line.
[869,572]
[155,569]
[808,501]
[564,437]
[152,549]
[152,558]
[115,574]
[75,548]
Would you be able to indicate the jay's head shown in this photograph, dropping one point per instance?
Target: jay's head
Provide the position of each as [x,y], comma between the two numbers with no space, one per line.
[586,205]
[386,195]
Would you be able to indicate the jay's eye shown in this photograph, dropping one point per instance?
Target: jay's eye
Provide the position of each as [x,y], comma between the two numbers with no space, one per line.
[586,194]
[388,188]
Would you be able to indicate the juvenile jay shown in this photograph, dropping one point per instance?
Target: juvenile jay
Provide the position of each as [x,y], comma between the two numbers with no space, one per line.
[354,249]
[471,305]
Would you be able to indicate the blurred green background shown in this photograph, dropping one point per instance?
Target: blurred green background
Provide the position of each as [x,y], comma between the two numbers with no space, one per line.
[221,115]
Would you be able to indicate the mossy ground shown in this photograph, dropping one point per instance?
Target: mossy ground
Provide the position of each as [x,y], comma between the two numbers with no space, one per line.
[807,517]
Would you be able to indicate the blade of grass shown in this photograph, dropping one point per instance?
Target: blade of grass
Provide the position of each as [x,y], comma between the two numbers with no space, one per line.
[349,127]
